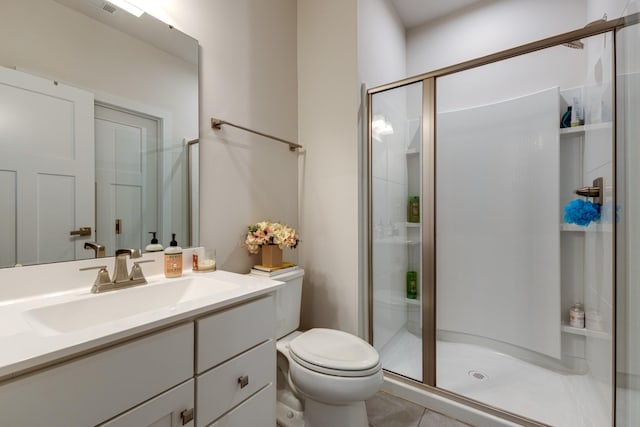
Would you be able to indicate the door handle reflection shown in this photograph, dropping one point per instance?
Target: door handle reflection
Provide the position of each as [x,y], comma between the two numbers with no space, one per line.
[82,231]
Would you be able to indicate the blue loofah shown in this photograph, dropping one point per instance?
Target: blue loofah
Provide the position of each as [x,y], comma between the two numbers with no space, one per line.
[581,213]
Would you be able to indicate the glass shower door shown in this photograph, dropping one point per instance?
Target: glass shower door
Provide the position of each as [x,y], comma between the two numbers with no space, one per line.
[524,196]
[395,228]
[628,230]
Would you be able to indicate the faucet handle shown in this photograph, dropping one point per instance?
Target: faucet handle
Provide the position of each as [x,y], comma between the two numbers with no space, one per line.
[101,279]
[136,271]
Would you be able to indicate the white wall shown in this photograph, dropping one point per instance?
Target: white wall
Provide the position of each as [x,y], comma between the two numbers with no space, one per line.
[248,76]
[328,127]
[488,28]
[254,74]
[331,65]
[596,9]
[381,43]
[492,26]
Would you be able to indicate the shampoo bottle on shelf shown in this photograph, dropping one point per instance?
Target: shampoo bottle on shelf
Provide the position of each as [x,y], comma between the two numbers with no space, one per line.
[576,315]
[413,209]
[412,285]
[565,122]
[173,259]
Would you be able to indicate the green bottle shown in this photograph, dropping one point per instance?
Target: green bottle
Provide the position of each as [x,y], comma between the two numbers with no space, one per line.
[412,285]
[413,209]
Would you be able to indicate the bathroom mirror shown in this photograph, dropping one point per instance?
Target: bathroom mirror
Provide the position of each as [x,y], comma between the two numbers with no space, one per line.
[97,109]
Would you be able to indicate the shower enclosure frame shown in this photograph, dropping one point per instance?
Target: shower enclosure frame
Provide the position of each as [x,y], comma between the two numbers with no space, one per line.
[428,279]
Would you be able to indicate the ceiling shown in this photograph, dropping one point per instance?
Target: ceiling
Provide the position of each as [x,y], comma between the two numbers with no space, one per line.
[416,12]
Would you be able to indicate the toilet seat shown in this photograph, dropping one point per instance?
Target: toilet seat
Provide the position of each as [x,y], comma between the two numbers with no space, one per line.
[332,352]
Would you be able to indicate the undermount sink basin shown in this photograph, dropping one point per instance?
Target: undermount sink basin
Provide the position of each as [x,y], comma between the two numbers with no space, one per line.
[97,309]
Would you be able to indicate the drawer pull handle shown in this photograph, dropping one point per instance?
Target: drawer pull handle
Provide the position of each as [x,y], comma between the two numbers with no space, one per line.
[186,416]
[243,381]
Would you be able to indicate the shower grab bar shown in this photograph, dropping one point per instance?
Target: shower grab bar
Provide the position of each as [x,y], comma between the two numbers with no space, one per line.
[217,124]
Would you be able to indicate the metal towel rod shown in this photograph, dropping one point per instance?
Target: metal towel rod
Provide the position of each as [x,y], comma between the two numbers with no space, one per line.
[217,124]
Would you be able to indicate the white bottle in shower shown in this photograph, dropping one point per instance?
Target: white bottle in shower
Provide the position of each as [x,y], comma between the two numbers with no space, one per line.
[576,316]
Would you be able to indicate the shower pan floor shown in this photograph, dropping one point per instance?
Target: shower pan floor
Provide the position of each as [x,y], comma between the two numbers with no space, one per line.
[499,380]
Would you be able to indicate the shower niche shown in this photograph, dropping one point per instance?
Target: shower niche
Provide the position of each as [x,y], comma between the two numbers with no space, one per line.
[499,263]
[587,261]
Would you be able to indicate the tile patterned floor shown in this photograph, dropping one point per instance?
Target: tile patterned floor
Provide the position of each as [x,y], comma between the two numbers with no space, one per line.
[385,410]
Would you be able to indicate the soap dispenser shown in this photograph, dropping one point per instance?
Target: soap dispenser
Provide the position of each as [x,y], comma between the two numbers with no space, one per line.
[154,246]
[173,259]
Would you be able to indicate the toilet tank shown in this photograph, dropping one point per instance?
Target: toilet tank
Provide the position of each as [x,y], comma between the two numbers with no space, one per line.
[288,300]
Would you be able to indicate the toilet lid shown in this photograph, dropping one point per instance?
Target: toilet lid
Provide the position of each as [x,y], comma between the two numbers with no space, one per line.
[335,353]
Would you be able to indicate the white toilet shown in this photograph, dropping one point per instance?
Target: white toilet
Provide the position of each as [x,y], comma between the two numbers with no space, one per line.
[324,375]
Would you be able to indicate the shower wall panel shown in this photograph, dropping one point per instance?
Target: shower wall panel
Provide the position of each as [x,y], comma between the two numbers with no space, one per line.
[497,225]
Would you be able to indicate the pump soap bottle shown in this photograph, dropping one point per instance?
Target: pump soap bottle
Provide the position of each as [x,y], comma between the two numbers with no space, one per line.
[173,259]
[154,246]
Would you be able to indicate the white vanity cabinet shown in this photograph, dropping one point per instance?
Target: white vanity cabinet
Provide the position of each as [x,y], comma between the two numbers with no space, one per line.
[95,388]
[227,358]
[236,366]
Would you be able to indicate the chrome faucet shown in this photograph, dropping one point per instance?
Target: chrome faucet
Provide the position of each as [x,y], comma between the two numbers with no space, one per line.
[96,247]
[121,276]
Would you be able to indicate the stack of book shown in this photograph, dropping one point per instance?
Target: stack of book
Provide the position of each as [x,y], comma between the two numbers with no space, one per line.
[262,270]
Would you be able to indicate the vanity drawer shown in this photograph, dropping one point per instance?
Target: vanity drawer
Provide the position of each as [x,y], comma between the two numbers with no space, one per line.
[219,390]
[170,409]
[228,333]
[91,389]
[258,411]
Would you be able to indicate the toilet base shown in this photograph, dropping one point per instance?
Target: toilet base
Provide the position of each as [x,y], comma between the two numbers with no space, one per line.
[287,417]
[318,414]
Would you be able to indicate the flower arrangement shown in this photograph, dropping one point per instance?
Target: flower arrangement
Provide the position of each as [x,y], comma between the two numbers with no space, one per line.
[270,233]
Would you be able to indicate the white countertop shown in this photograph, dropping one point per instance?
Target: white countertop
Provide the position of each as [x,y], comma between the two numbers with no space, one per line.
[26,345]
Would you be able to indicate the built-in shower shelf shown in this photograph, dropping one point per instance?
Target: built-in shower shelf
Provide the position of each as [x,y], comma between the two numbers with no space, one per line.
[585,332]
[412,151]
[591,228]
[392,241]
[412,301]
[579,130]
[413,225]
